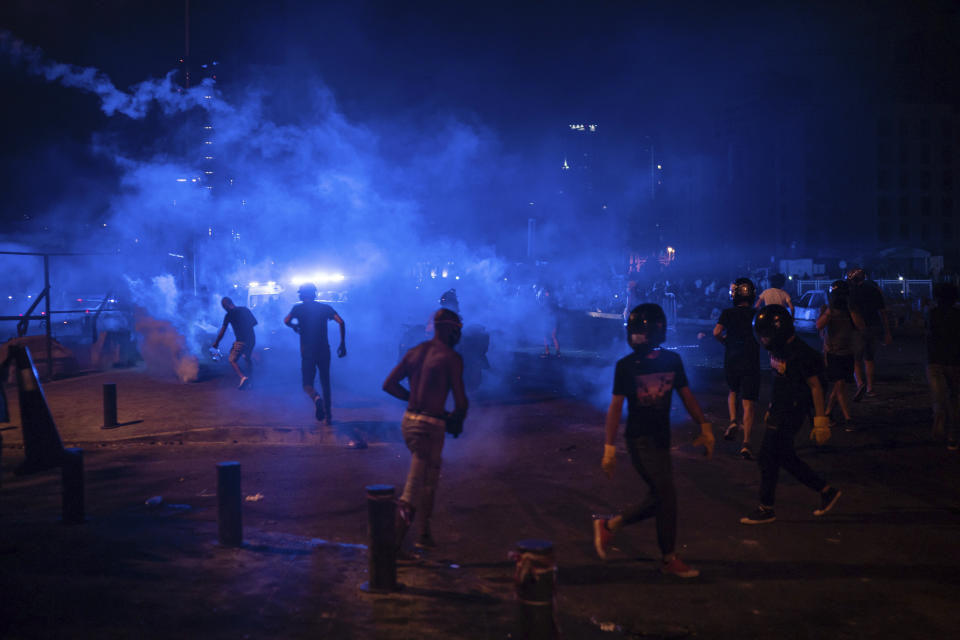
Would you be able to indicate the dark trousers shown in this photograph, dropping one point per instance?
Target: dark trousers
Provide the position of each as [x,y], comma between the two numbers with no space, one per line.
[777,451]
[655,466]
[312,364]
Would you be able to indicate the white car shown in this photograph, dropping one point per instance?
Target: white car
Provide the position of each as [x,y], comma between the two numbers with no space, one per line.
[807,308]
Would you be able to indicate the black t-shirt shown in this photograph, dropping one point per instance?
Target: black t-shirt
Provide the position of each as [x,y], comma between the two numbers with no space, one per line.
[243,322]
[313,317]
[791,393]
[867,300]
[943,336]
[647,383]
[742,351]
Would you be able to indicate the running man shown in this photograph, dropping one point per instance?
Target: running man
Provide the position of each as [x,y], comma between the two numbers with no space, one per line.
[243,322]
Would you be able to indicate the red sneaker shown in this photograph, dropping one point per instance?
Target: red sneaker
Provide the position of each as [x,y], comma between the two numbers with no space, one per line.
[601,537]
[676,567]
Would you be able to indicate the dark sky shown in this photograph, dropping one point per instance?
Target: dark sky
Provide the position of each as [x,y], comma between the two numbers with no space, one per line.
[522,70]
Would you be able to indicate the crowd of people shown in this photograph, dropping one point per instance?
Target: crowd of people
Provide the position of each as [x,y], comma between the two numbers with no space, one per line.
[807,385]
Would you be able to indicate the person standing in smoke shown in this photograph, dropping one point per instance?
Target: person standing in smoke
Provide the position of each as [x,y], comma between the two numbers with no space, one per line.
[796,390]
[867,300]
[838,324]
[311,323]
[646,379]
[741,360]
[435,370]
[243,322]
[551,312]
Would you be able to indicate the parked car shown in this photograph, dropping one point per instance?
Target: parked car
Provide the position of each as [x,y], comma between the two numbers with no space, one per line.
[807,308]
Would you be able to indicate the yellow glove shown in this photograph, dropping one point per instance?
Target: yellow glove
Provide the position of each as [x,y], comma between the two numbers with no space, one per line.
[821,430]
[609,459]
[706,439]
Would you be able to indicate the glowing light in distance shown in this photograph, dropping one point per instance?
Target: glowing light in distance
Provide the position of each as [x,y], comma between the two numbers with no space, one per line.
[456,277]
[444,273]
[659,166]
[271,284]
[254,284]
[181,179]
[900,278]
[318,278]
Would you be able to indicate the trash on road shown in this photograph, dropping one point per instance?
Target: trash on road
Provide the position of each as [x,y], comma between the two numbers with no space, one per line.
[257,497]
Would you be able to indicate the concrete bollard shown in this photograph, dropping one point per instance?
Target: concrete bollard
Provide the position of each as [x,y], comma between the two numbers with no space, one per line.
[110,405]
[382,544]
[229,502]
[73,487]
[534,580]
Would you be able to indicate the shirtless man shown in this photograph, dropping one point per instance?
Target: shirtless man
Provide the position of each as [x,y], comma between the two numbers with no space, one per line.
[434,370]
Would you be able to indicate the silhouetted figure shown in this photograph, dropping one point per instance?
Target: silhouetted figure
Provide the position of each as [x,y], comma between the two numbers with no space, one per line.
[741,360]
[243,322]
[838,325]
[943,364]
[311,323]
[867,300]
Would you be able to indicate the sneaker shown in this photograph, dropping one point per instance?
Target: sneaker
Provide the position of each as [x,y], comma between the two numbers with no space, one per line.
[827,500]
[953,446]
[320,413]
[602,536]
[746,453]
[760,515]
[676,567]
[849,425]
[244,382]
[871,394]
[731,431]
[858,396]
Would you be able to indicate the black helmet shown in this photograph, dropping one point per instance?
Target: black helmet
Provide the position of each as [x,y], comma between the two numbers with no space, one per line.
[839,294]
[856,275]
[742,290]
[307,291]
[449,300]
[773,327]
[646,327]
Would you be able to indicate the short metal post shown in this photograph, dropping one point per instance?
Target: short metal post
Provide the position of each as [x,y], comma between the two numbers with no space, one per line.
[73,489]
[382,547]
[228,504]
[534,579]
[109,405]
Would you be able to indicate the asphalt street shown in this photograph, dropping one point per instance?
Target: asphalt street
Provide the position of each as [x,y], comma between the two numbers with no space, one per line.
[146,563]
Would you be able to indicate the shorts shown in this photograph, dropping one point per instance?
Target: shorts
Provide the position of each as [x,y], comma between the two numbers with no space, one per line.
[746,382]
[866,342]
[240,349]
[839,367]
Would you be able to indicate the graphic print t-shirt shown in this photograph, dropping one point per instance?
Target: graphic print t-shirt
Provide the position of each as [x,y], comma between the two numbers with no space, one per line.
[313,317]
[648,383]
[742,351]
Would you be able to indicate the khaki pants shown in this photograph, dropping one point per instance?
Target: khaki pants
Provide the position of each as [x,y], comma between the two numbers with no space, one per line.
[425,441]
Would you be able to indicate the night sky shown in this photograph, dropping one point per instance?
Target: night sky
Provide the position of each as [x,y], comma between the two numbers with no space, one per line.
[514,73]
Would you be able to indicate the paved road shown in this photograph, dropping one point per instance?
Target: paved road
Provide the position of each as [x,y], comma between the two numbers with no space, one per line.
[884,564]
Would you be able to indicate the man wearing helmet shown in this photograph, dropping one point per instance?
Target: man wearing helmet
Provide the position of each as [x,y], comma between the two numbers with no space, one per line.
[435,370]
[311,323]
[796,390]
[867,300]
[646,379]
[741,360]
